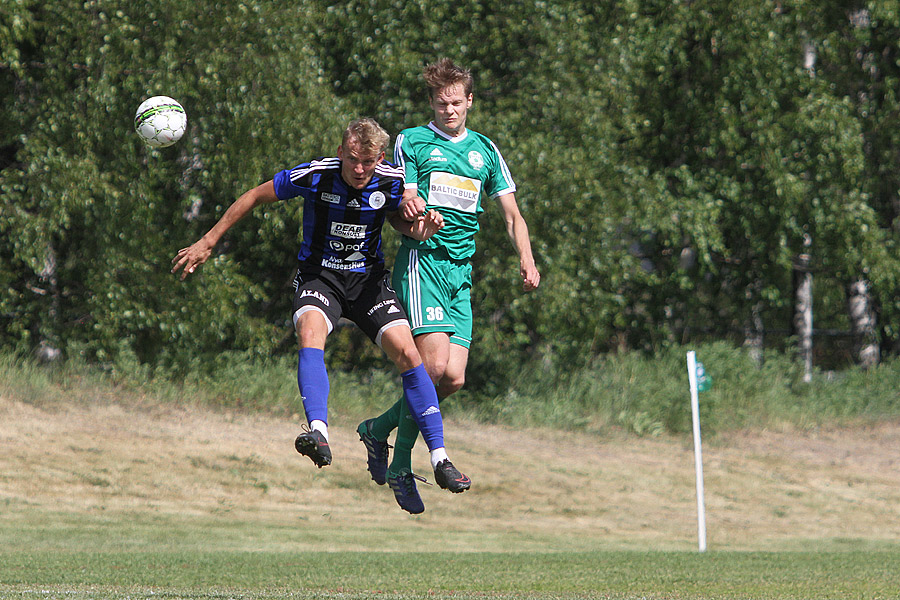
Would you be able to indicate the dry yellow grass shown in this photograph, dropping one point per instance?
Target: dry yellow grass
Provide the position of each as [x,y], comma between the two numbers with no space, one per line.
[535,490]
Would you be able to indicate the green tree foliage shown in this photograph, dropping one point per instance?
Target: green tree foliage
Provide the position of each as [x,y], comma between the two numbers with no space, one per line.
[673,158]
[91,217]
[859,57]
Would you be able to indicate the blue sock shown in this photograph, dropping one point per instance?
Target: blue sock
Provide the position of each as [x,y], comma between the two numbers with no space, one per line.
[312,379]
[423,405]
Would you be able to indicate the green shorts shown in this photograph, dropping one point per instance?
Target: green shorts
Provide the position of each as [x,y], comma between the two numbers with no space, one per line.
[436,291]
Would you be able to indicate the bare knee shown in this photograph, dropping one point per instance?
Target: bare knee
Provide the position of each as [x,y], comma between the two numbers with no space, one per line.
[312,330]
[435,350]
[407,357]
[308,337]
[454,375]
[436,371]
[450,384]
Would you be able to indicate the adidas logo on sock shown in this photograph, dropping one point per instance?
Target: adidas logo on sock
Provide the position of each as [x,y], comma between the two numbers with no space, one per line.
[431,410]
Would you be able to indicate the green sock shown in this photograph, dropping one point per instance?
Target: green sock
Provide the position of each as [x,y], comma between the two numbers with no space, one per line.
[407,433]
[382,426]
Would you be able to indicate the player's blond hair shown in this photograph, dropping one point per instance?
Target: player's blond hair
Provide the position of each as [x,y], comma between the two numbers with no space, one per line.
[368,134]
[445,73]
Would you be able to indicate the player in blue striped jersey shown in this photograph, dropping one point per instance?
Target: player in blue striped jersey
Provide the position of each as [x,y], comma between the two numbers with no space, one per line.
[341,272]
[341,223]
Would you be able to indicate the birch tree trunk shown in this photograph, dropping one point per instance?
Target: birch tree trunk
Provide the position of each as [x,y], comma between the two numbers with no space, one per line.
[862,324]
[754,335]
[803,312]
[48,347]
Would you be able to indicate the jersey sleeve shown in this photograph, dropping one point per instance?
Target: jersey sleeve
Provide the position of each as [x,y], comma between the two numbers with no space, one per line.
[395,196]
[405,158]
[500,181]
[291,183]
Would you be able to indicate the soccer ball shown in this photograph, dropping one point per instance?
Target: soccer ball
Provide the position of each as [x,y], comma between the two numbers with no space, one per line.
[160,121]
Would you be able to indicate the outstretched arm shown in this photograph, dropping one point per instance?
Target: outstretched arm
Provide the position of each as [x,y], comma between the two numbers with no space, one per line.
[517,230]
[199,252]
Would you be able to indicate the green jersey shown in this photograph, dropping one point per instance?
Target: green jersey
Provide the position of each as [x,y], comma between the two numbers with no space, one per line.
[452,175]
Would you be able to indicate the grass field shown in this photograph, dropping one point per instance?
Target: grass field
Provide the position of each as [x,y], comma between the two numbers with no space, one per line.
[111,499]
[308,575]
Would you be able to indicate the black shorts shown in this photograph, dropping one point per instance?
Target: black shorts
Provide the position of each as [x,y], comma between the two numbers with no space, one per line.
[367,299]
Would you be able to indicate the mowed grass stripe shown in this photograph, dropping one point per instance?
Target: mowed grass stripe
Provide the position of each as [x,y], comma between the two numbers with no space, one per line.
[780,576]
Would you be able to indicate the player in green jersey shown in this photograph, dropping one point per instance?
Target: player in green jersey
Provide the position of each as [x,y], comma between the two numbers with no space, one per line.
[448,168]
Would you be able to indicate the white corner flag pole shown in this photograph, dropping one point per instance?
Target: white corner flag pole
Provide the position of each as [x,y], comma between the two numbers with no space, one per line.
[698,451]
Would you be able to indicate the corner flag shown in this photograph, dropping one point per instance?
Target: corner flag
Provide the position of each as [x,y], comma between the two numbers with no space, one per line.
[695,372]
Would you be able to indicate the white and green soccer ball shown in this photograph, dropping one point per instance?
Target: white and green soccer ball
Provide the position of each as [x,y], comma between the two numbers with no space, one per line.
[160,121]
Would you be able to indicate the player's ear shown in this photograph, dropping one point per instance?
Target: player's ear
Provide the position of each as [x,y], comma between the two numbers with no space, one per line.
[340,152]
[380,158]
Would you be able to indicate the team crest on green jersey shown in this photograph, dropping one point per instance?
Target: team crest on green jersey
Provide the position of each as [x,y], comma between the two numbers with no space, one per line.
[476,160]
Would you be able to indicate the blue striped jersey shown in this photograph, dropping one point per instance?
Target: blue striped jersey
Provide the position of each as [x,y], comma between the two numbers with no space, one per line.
[341,224]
